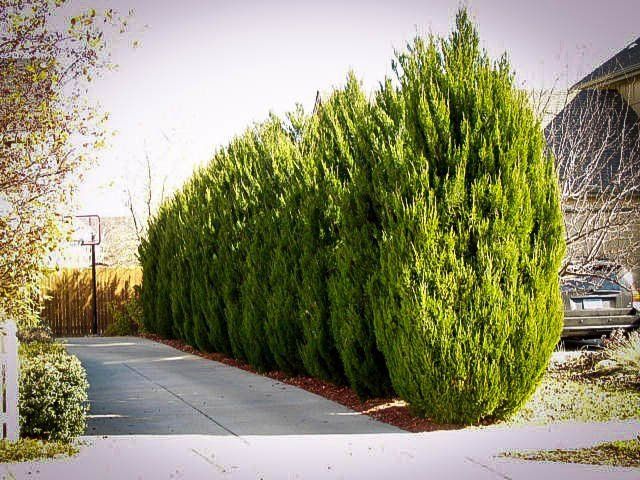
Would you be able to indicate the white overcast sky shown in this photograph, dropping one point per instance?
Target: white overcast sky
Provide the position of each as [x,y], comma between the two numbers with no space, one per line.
[207,69]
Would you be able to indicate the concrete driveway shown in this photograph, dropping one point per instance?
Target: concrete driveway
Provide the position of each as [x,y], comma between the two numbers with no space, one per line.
[176,416]
[140,387]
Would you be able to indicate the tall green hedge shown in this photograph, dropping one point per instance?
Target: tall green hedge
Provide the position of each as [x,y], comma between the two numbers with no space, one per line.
[406,242]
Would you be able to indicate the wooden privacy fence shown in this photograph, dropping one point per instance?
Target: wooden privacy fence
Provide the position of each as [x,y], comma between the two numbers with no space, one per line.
[66,298]
[9,428]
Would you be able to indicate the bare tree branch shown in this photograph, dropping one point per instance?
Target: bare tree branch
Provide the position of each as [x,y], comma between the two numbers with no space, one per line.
[596,143]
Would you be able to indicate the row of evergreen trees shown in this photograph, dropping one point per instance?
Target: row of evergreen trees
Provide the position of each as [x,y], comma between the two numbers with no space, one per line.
[405,243]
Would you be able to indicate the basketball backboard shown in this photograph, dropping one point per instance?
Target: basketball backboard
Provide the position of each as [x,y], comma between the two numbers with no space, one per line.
[85,229]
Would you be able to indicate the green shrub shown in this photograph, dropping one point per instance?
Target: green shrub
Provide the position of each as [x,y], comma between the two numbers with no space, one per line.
[283,330]
[53,397]
[206,222]
[468,308]
[317,239]
[412,242]
[36,333]
[127,319]
[260,155]
[148,262]
[35,348]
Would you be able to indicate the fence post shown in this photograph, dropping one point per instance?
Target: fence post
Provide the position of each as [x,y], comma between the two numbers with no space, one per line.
[9,365]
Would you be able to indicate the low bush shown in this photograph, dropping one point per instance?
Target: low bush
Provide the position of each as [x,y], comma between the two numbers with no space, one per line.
[33,349]
[127,319]
[38,333]
[53,396]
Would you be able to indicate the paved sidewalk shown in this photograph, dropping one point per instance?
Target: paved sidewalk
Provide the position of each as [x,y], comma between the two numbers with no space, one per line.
[140,387]
[463,454]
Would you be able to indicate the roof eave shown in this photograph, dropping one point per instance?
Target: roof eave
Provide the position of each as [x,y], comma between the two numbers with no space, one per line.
[607,79]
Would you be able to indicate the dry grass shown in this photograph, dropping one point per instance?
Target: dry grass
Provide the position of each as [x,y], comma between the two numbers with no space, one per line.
[624,352]
[588,386]
[27,450]
[564,397]
[619,454]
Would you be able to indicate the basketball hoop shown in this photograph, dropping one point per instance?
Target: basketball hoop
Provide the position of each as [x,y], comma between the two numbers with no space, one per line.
[86,231]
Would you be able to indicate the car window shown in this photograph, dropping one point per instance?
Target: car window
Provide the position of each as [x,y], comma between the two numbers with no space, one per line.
[617,283]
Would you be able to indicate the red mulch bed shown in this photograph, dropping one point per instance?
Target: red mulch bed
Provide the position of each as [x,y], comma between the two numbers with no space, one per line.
[388,410]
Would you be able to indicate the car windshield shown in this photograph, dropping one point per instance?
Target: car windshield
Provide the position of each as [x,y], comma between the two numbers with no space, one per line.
[615,282]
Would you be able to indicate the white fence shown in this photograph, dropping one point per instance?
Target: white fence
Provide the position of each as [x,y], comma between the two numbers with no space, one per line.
[9,365]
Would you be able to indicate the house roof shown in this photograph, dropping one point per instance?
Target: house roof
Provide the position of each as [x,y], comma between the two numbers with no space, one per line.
[624,64]
[597,131]
[549,103]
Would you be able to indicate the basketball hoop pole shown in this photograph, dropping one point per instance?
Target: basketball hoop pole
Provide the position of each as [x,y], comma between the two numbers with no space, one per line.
[94,283]
[94,286]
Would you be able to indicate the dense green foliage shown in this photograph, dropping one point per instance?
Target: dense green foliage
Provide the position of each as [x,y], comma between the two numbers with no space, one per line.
[346,151]
[33,349]
[53,394]
[127,318]
[468,311]
[409,243]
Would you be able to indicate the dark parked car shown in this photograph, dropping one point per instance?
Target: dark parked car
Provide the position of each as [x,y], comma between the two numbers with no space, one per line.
[597,304]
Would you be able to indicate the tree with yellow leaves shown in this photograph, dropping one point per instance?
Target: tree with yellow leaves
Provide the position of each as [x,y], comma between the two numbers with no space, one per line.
[48,131]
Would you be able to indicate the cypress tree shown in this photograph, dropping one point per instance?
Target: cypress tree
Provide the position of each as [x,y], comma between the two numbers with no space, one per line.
[315,237]
[147,254]
[207,219]
[468,307]
[260,185]
[346,154]
[282,227]
[230,251]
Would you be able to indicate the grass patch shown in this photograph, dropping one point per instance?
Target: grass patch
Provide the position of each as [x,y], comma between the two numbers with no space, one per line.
[563,397]
[582,387]
[625,453]
[26,450]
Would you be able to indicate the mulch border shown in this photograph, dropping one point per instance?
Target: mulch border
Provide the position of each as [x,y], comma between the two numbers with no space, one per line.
[387,410]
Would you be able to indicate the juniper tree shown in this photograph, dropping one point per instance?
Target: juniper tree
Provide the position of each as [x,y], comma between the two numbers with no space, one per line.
[283,217]
[347,157]
[468,307]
